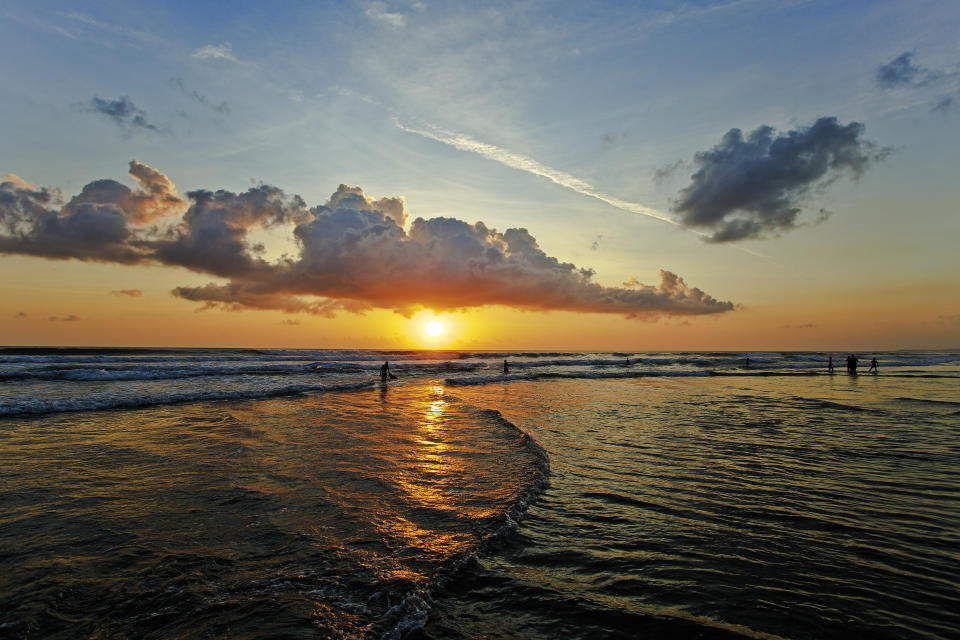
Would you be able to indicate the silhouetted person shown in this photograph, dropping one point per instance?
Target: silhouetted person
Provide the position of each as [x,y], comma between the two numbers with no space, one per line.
[385,372]
[852,361]
[830,364]
[873,367]
[506,368]
[746,363]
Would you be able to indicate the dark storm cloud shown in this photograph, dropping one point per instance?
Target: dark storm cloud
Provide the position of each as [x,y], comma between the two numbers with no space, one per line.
[123,112]
[750,187]
[354,252]
[222,108]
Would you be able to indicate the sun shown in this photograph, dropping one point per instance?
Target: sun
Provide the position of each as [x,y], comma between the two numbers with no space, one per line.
[434,328]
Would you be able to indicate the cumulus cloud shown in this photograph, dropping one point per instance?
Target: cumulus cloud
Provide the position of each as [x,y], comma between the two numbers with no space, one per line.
[354,253]
[123,112]
[157,197]
[222,108]
[130,293]
[752,186]
[215,52]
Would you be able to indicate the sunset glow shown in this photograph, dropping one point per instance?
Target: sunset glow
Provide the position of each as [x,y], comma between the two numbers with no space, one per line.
[434,329]
[199,212]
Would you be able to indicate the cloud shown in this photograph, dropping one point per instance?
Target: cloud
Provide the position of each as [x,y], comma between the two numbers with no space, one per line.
[662,174]
[132,293]
[944,104]
[20,314]
[97,224]
[529,165]
[380,12]
[751,187]
[123,112]
[354,253]
[808,325]
[215,52]
[69,318]
[292,323]
[899,72]
[949,320]
[596,242]
[222,108]
[612,137]
[903,72]
[157,197]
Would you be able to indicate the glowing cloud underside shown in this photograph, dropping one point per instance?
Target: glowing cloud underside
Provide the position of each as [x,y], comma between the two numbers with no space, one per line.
[354,251]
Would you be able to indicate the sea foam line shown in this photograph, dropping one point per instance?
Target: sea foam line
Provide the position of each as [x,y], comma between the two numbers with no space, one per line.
[87,403]
[412,612]
[577,375]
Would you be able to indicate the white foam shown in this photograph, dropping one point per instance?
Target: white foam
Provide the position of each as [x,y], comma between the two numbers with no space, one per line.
[102,402]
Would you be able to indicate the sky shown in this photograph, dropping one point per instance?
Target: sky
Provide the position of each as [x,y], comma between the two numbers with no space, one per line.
[733,175]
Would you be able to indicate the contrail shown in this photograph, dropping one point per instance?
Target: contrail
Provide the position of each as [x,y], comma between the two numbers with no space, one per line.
[523,163]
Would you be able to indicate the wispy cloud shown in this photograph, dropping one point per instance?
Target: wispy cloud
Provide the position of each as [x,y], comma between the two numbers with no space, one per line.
[123,112]
[69,318]
[380,12]
[127,32]
[215,52]
[198,97]
[521,162]
[130,293]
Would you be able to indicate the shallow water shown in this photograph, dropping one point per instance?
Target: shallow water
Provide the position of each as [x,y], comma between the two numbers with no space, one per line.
[787,509]
[688,496]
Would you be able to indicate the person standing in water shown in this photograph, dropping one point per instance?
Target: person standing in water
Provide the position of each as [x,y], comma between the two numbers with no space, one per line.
[873,367]
[506,368]
[829,364]
[384,371]
[852,361]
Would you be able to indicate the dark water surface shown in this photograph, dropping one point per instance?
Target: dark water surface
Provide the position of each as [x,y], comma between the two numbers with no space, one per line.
[794,510]
[242,494]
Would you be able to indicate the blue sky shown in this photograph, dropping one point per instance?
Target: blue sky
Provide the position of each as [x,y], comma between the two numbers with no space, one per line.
[461,109]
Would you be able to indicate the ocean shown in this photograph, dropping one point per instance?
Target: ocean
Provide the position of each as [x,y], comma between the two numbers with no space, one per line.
[240,493]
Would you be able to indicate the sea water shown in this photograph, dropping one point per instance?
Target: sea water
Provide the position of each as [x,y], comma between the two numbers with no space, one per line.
[289,494]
